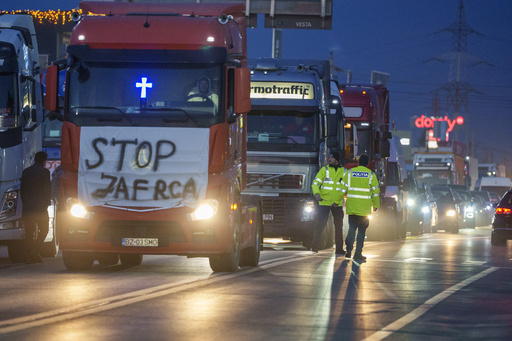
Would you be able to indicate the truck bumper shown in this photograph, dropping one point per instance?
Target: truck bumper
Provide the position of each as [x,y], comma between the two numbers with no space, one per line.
[105,230]
[11,230]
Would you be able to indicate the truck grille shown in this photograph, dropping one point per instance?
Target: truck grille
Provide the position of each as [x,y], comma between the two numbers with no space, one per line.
[274,181]
[279,207]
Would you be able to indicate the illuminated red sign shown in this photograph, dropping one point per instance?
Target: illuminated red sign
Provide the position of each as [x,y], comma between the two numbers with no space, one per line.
[428,122]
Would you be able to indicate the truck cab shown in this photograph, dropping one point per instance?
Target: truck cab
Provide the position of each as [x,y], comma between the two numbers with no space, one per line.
[21,115]
[293,122]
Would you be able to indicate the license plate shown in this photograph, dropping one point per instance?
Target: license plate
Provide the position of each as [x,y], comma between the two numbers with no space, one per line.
[268,217]
[152,242]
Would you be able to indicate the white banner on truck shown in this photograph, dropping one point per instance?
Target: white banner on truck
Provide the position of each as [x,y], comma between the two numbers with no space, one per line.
[143,167]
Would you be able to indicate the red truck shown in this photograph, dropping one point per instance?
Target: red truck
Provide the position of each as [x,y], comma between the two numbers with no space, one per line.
[366,109]
[154,136]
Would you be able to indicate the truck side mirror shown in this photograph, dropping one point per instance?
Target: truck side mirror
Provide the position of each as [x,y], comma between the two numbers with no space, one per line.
[332,131]
[51,99]
[334,102]
[385,148]
[242,90]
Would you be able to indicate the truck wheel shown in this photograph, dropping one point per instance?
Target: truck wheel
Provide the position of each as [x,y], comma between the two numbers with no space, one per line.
[251,255]
[78,261]
[455,229]
[497,241]
[130,259]
[51,248]
[17,251]
[107,259]
[229,262]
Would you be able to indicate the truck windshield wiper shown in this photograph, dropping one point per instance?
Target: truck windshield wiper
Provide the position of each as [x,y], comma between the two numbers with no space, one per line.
[165,119]
[108,118]
[286,137]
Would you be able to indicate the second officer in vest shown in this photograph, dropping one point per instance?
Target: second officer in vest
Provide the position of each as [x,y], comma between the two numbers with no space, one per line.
[362,189]
[326,189]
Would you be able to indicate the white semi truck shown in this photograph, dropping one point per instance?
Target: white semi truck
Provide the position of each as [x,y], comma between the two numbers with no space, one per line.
[21,115]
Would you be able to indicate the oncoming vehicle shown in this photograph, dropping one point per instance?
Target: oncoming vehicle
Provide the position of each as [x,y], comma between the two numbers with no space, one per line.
[467,207]
[502,221]
[448,208]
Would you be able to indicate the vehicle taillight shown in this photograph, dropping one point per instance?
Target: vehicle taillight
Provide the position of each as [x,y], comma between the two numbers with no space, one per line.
[502,210]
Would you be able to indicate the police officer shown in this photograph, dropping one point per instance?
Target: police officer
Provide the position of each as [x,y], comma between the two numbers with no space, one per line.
[362,188]
[35,191]
[327,192]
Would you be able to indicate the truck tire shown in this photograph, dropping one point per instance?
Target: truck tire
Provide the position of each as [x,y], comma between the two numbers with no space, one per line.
[230,261]
[77,261]
[455,229]
[251,255]
[51,249]
[17,251]
[130,259]
[107,259]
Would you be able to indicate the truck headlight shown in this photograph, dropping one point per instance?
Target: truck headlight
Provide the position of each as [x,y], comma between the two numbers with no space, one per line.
[77,210]
[206,210]
[9,203]
[411,202]
[425,209]
[308,211]
[450,213]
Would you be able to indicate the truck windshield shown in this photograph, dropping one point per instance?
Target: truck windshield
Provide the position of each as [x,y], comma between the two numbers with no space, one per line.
[286,129]
[163,95]
[8,102]
[362,141]
[433,177]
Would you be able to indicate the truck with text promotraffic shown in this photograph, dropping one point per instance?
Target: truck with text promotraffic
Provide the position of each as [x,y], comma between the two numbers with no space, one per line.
[295,118]
[366,109]
[21,115]
[153,144]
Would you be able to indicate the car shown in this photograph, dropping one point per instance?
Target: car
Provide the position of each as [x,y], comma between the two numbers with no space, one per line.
[422,211]
[467,206]
[495,198]
[502,221]
[484,209]
[448,207]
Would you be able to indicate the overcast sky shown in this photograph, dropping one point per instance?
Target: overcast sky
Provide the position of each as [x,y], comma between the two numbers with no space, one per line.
[398,37]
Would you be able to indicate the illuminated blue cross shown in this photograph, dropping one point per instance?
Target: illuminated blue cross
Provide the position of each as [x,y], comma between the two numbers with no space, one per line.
[143,85]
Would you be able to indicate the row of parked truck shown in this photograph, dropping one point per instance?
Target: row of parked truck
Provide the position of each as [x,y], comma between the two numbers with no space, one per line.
[157,165]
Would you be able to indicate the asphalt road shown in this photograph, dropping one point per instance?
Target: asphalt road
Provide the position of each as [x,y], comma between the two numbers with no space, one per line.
[436,286]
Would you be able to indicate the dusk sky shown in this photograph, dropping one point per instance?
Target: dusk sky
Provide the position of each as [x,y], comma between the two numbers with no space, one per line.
[399,37]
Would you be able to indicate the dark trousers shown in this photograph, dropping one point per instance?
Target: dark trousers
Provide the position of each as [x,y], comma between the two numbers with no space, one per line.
[323,216]
[36,230]
[359,223]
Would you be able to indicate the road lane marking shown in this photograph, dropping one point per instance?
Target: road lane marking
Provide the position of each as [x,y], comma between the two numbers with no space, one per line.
[429,304]
[108,303]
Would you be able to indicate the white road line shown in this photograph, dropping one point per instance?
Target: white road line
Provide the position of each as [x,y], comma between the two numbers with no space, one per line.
[92,307]
[416,313]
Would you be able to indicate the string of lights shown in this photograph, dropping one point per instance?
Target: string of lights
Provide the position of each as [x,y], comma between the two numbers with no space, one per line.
[55,17]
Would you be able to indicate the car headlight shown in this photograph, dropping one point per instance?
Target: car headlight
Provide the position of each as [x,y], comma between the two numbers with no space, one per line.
[450,213]
[206,210]
[425,209]
[411,202]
